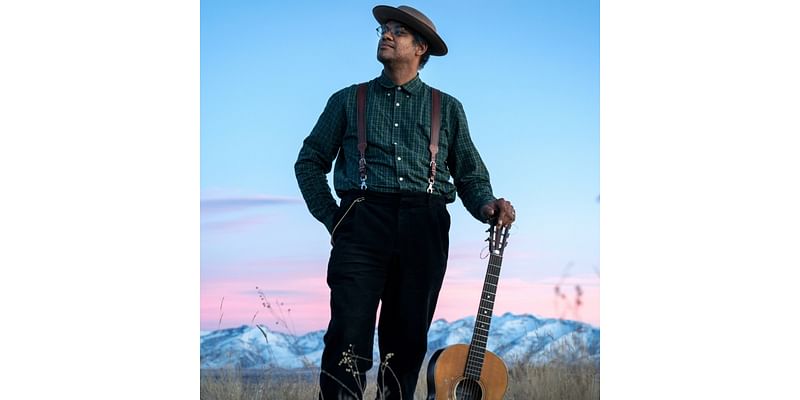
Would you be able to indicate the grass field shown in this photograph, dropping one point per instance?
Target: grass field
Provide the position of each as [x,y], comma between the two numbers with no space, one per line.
[557,381]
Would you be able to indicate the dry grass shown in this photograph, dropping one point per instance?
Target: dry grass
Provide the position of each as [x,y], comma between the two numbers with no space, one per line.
[557,381]
[554,381]
[238,384]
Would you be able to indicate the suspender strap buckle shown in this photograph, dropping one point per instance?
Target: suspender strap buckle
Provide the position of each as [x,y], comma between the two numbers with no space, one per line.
[362,171]
[431,179]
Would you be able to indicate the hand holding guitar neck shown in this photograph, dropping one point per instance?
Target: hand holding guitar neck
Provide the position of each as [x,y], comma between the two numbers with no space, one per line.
[499,212]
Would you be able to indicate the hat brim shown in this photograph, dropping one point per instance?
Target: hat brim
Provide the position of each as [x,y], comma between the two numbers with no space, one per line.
[436,45]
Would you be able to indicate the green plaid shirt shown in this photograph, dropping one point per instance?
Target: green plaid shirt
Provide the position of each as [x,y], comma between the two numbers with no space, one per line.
[398,158]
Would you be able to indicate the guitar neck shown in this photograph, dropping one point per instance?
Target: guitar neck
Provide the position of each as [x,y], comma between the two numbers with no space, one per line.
[483,320]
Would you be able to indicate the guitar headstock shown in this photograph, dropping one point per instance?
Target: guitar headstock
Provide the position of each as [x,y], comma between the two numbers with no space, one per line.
[498,239]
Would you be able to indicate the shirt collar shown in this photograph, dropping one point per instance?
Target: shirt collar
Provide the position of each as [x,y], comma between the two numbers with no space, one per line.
[412,87]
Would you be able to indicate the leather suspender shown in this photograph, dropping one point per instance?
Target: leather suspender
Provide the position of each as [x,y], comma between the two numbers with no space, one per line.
[361,111]
[361,97]
[434,146]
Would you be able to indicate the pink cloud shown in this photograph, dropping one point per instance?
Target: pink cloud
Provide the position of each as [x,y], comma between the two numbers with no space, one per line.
[460,297]
[231,203]
[235,225]
[299,301]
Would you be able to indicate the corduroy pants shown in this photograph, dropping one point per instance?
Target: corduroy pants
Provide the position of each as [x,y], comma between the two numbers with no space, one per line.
[388,250]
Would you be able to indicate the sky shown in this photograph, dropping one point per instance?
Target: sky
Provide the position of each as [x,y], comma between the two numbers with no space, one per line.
[527,74]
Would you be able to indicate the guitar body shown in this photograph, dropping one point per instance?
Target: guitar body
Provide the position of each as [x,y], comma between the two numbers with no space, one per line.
[446,376]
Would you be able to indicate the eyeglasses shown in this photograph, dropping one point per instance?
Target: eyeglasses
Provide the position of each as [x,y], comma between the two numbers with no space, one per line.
[397,30]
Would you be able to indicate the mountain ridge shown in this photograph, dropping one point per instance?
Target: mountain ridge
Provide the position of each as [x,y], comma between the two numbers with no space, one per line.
[524,338]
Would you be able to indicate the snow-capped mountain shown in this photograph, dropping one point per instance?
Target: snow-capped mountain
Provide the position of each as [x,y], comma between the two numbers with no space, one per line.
[512,337]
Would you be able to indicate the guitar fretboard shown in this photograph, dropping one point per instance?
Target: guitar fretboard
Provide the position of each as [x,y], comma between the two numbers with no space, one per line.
[477,348]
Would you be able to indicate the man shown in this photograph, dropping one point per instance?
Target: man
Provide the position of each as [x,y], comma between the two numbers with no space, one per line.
[390,232]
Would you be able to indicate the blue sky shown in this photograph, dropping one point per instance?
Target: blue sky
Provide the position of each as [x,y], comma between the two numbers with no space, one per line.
[527,74]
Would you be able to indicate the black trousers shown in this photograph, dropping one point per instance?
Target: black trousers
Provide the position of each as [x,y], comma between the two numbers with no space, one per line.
[389,249]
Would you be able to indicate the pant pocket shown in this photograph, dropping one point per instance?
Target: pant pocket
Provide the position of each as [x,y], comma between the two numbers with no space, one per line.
[343,217]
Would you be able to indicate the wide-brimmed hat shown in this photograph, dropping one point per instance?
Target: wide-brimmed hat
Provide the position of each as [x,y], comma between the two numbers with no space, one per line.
[415,20]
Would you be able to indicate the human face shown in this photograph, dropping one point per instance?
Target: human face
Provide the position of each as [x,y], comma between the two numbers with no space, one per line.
[396,45]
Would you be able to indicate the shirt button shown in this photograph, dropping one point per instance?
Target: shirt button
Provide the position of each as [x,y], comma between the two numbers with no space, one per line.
[396,124]
[388,94]
[401,179]
[395,143]
[397,104]
[398,158]
[398,88]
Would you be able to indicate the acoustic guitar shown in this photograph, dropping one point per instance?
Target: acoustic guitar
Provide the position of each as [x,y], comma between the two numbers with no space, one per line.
[470,372]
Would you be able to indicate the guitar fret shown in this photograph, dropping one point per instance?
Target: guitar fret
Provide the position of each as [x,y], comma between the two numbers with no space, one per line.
[475,367]
[477,336]
[476,363]
[473,374]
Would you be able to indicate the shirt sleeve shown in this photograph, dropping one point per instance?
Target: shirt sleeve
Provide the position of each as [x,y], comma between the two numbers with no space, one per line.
[470,175]
[316,157]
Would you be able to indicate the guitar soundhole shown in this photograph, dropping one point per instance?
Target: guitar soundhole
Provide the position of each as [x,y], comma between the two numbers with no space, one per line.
[468,389]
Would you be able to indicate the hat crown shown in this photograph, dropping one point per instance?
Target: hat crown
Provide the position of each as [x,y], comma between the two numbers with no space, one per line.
[418,15]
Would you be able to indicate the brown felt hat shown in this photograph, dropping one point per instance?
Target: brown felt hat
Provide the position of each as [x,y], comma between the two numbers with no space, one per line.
[415,20]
